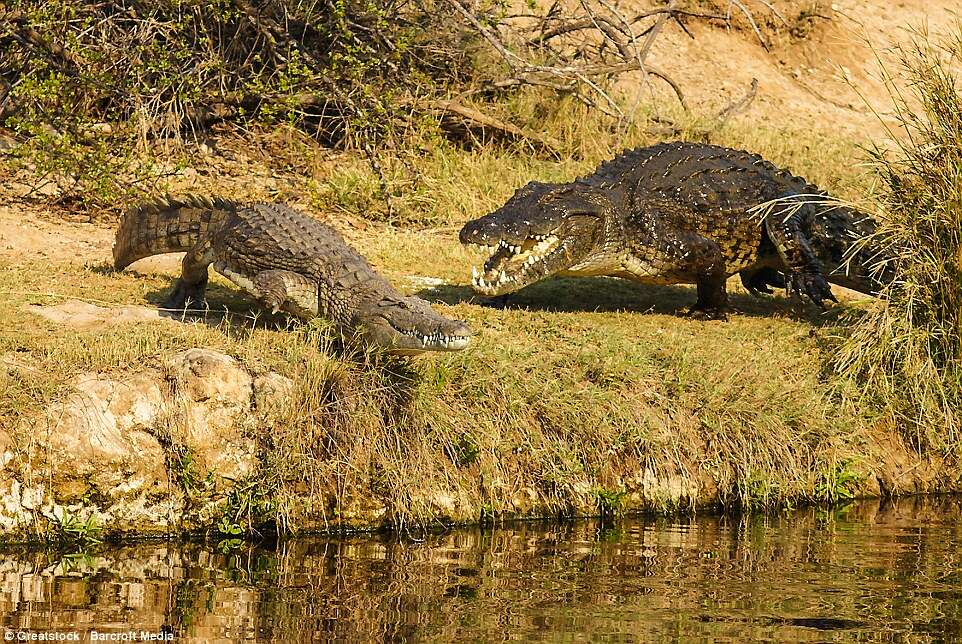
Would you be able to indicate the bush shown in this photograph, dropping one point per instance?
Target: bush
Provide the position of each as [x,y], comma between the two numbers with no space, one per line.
[906,349]
[85,83]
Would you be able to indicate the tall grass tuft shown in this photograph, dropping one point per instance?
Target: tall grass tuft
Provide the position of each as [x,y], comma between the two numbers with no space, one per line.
[905,351]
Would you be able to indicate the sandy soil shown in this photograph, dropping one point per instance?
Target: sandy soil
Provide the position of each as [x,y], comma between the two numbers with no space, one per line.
[801,81]
[808,81]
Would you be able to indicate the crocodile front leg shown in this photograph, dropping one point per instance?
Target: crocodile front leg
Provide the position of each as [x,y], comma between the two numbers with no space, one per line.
[686,257]
[805,273]
[710,274]
[293,292]
[277,289]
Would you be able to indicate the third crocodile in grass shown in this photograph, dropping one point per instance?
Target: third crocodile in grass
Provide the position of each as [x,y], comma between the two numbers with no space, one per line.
[677,213]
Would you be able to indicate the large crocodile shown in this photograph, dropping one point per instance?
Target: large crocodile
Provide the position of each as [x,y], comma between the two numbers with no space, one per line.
[288,261]
[677,213]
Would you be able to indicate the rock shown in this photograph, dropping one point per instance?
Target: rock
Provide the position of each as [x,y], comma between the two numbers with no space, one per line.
[97,443]
[104,451]
[83,315]
[100,434]
[272,392]
[209,375]
[12,495]
[216,425]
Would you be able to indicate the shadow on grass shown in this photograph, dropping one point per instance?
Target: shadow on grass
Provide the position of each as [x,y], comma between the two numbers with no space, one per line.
[607,294]
[244,315]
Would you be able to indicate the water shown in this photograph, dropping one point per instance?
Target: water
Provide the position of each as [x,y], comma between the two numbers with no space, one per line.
[869,572]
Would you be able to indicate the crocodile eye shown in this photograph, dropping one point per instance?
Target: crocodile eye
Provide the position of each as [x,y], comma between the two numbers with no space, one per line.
[391,302]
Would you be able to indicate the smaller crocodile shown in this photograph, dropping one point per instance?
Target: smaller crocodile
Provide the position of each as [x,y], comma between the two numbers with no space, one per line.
[677,213]
[288,261]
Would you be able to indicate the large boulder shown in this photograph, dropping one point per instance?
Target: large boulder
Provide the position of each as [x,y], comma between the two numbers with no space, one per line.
[215,394]
[95,449]
[151,451]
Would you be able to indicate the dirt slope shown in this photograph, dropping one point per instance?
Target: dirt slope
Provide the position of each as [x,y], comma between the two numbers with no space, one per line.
[809,80]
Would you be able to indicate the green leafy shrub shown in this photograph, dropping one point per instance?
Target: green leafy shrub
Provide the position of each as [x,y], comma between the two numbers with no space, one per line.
[87,83]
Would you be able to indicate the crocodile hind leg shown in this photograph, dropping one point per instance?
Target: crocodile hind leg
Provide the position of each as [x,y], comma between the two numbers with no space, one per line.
[805,274]
[277,289]
[189,291]
[762,280]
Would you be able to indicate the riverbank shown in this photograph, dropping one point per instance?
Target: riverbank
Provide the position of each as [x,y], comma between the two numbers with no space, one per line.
[584,397]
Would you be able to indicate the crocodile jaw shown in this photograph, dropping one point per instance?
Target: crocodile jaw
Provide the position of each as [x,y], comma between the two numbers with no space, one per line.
[413,343]
[407,325]
[510,267]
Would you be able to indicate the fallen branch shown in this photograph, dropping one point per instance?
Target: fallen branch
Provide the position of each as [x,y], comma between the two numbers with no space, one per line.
[471,118]
[582,68]
[735,107]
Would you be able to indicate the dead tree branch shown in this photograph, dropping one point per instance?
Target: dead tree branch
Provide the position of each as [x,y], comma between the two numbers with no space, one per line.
[735,107]
[598,46]
[581,53]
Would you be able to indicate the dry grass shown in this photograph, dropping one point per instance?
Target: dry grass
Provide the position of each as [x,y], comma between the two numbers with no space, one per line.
[584,396]
[905,352]
[437,183]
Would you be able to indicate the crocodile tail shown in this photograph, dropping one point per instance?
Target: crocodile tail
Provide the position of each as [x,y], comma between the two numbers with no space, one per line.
[165,225]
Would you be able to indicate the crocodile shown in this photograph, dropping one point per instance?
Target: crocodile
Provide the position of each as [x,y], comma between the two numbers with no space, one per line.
[287,260]
[676,213]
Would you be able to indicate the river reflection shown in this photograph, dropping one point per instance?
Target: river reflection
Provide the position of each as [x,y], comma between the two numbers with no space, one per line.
[869,572]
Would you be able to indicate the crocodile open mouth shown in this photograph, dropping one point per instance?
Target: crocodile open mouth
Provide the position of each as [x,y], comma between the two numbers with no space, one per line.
[511,266]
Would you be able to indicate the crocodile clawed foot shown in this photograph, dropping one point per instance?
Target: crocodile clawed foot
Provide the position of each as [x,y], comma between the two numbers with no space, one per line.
[185,297]
[811,285]
[762,281]
[705,312]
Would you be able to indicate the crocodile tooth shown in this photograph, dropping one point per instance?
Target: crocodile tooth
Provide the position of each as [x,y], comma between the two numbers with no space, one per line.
[474,272]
